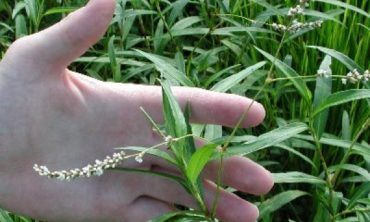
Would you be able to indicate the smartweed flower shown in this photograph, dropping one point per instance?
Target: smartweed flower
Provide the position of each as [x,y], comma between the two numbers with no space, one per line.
[139,158]
[97,169]
[323,73]
[304,3]
[366,76]
[279,27]
[298,10]
[354,77]
[296,25]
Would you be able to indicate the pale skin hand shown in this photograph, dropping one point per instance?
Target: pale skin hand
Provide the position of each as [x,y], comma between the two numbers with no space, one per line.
[52,116]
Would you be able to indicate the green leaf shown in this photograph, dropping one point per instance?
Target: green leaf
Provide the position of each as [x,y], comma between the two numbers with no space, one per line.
[177,9]
[323,16]
[345,60]
[20,26]
[342,97]
[353,168]
[296,177]
[345,5]
[322,91]
[198,160]
[335,142]
[186,23]
[116,68]
[60,10]
[175,122]
[167,70]
[212,132]
[271,205]
[4,216]
[361,192]
[176,216]
[17,8]
[346,127]
[233,80]
[268,139]
[299,84]
[295,152]
[189,141]
[228,31]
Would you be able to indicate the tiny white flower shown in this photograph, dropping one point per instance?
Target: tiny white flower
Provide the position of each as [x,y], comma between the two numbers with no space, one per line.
[139,158]
[344,81]
[99,171]
[61,176]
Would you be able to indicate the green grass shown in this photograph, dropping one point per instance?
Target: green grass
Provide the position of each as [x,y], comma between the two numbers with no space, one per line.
[321,174]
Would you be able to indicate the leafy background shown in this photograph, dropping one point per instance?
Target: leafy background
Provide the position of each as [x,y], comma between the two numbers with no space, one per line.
[230,46]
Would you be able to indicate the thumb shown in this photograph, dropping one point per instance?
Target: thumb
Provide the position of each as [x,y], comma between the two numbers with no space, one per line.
[65,41]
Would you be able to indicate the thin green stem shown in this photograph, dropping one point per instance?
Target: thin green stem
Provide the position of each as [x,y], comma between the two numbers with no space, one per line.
[219,181]
[348,153]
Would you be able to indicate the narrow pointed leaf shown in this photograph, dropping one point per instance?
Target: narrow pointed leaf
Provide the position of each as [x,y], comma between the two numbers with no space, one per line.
[322,91]
[296,177]
[345,5]
[199,159]
[167,70]
[342,97]
[268,139]
[299,84]
[276,202]
[233,80]
[345,60]
[174,119]
[4,217]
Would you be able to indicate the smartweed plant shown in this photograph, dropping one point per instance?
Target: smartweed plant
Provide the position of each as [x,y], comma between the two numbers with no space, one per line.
[306,61]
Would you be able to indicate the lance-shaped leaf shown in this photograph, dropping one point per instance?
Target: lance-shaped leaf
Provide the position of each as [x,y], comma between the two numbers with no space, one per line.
[296,177]
[175,122]
[290,73]
[345,5]
[279,200]
[233,80]
[198,160]
[322,91]
[342,97]
[268,139]
[167,70]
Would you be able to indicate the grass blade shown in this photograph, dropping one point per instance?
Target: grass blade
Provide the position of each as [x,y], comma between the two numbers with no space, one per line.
[4,216]
[342,97]
[296,177]
[279,200]
[175,123]
[167,70]
[178,216]
[353,168]
[268,139]
[322,91]
[345,60]
[60,10]
[233,80]
[345,5]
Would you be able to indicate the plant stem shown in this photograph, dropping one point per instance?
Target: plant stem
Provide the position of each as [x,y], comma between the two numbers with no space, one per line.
[348,153]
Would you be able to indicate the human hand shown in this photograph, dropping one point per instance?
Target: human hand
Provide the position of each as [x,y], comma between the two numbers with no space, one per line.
[52,116]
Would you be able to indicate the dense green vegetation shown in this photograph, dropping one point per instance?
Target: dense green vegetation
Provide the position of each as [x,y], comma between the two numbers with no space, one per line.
[321,169]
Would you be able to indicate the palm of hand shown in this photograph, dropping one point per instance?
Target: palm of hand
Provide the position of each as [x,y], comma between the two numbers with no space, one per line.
[62,119]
